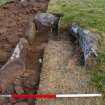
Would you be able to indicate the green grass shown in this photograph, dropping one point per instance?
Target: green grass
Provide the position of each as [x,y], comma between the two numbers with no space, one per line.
[98,73]
[90,14]
[3,1]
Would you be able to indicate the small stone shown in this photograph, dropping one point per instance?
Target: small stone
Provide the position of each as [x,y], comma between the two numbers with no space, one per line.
[21,103]
[19,89]
[12,100]
[24,3]
[26,74]
[2,100]
[18,82]
[40,60]
[3,56]
[31,32]
[10,89]
[8,104]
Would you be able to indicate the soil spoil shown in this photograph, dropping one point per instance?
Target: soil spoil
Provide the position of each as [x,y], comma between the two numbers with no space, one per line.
[14,20]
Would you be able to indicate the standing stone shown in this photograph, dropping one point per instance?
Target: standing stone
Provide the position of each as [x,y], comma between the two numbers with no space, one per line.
[31,32]
[48,20]
[88,41]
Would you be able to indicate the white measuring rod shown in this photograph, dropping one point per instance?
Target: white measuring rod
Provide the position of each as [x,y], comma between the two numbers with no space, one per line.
[51,95]
[77,95]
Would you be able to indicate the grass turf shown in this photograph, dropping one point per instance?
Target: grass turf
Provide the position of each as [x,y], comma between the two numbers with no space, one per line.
[3,1]
[90,14]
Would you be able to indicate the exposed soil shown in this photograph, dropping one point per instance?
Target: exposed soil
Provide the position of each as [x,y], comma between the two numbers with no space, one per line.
[62,75]
[13,24]
[14,21]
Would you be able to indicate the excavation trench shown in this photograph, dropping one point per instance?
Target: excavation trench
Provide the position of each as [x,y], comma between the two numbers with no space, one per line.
[27,80]
[24,73]
[60,71]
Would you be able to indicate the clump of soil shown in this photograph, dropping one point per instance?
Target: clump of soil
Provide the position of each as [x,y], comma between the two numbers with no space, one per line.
[13,24]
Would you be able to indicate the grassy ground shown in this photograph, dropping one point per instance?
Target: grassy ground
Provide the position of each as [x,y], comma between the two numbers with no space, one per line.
[3,1]
[86,12]
[90,14]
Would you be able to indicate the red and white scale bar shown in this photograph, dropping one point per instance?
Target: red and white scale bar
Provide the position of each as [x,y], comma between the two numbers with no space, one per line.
[51,96]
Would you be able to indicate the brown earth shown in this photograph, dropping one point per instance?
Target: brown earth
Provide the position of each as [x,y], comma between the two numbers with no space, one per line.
[13,24]
[14,21]
[59,77]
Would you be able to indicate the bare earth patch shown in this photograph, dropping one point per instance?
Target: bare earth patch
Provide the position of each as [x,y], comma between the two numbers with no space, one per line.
[57,77]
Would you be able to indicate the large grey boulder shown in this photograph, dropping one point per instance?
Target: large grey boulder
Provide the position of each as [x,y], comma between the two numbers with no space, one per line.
[45,19]
[49,20]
